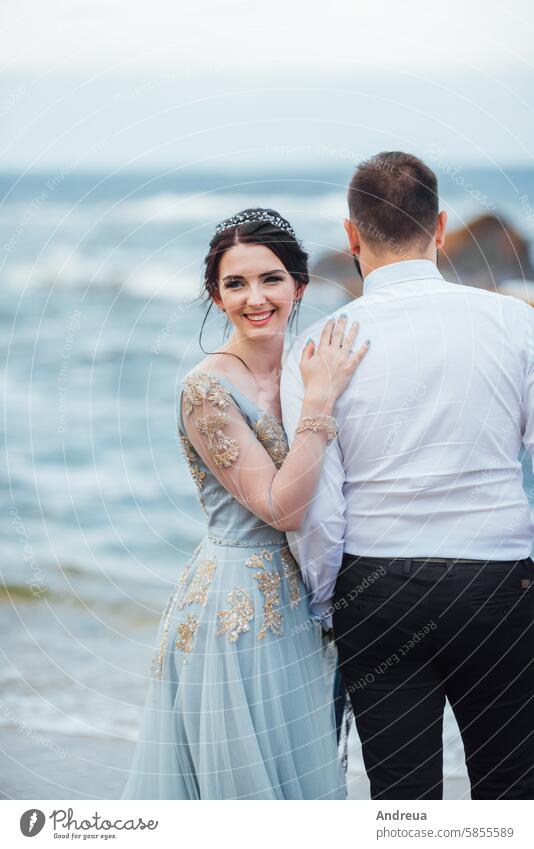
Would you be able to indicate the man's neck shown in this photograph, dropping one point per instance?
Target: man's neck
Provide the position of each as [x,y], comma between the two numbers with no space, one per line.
[370,262]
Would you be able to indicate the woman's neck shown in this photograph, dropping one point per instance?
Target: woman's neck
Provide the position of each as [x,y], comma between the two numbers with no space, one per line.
[262,358]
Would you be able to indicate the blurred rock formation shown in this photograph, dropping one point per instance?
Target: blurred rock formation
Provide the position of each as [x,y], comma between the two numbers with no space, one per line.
[485,253]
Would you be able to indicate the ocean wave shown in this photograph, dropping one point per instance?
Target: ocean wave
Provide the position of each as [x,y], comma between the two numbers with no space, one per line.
[213,207]
[63,711]
[73,270]
[167,206]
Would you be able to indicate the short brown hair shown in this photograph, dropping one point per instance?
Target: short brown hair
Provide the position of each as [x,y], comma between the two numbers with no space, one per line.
[393,199]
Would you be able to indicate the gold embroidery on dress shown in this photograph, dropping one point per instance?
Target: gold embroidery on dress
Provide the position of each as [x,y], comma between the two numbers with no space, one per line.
[173,601]
[194,469]
[257,561]
[199,387]
[197,591]
[272,436]
[190,455]
[234,621]
[157,660]
[186,633]
[292,574]
[223,449]
[269,584]
[183,579]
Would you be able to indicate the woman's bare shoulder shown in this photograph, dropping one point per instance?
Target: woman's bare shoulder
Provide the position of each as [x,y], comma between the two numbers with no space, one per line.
[214,364]
[224,365]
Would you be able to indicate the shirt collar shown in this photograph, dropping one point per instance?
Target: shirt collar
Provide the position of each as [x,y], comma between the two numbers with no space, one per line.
[400,272]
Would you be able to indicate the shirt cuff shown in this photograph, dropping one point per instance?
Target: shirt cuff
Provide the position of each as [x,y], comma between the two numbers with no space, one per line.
[321,611]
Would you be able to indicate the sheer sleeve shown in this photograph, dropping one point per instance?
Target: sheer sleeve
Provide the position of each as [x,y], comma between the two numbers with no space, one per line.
[229,448]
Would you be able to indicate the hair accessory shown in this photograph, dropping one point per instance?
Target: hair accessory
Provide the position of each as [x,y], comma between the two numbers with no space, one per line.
[316,423]
[260,215]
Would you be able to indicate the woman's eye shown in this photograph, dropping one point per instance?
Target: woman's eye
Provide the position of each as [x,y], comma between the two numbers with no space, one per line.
[272,279]
[232,284]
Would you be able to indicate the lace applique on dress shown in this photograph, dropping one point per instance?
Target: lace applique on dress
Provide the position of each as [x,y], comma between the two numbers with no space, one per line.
[199,388]
[197,591]
[186,633]
[157,660]
[192,461]
[257,561]
[195,471]
[222,448]
[272,436]
[173,601]
[292,575]
[235,620]
[269,584]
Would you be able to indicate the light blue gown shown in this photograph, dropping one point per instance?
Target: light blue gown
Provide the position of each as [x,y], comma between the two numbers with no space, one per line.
[239,704]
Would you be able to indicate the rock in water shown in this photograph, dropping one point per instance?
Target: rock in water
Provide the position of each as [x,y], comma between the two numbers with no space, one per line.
[484,253]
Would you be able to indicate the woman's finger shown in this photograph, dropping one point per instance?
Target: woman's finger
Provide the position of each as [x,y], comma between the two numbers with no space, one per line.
[355,359]
[339,330]
[326,334]
[307,351]
[351,335]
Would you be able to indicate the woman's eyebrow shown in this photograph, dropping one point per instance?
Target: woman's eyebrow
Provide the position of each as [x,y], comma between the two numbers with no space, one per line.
[263,274]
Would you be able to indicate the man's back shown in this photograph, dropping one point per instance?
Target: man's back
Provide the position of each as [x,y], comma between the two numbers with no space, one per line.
[432,423]
[431,430]
[424,481]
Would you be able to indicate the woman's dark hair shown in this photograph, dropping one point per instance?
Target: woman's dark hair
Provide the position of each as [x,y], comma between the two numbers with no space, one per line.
[254,232]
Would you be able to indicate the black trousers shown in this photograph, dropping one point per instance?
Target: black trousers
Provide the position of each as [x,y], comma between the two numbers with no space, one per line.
[412,634]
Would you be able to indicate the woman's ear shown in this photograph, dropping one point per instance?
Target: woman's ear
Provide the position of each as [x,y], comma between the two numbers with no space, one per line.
[299,291]
[216,297]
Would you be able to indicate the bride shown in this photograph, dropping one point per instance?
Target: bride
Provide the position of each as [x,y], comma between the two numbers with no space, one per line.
[238,705]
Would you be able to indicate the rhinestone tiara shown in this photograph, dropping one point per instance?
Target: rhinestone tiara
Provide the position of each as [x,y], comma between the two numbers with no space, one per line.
[259,216]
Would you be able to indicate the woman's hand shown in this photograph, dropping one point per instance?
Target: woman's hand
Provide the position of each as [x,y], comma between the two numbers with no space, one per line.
[328,367]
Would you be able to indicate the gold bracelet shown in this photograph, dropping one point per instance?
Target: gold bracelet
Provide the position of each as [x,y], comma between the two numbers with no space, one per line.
[316,423]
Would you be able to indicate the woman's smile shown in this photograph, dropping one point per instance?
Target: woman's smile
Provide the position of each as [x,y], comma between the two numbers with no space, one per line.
[259,318]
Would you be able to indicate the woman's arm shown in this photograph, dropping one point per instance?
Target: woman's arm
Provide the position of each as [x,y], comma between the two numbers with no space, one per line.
[230,449]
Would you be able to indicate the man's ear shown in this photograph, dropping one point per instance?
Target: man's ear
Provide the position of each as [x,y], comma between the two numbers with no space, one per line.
[441,226]
[353,236]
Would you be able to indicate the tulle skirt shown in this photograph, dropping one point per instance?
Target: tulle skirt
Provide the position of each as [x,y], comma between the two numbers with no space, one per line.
[239,703]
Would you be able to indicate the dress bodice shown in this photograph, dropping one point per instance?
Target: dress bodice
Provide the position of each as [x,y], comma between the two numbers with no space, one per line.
[227,518]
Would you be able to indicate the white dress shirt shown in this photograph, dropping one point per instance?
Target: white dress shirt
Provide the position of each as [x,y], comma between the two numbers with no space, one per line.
[430,428]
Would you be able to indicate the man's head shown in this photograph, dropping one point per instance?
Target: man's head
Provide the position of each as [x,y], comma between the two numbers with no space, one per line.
[394,211]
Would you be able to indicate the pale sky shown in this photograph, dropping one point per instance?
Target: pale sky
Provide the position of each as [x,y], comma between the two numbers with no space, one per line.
[140,84]
[205,35]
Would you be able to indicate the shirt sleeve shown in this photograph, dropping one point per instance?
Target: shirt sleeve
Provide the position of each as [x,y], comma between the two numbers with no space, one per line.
[528,395]
[318,544]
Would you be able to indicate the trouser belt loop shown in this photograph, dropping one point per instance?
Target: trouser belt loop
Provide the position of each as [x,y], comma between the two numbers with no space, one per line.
[406,569]
[450,567]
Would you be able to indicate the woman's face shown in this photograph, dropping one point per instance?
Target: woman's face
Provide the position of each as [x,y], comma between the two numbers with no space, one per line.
[256,291]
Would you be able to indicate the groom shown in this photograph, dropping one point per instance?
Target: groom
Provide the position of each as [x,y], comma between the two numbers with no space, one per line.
[417,543]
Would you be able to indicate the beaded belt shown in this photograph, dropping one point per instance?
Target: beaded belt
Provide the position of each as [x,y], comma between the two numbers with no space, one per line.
[247,540]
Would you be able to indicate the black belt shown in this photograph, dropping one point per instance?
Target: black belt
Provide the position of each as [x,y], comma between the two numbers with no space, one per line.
[407,561]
